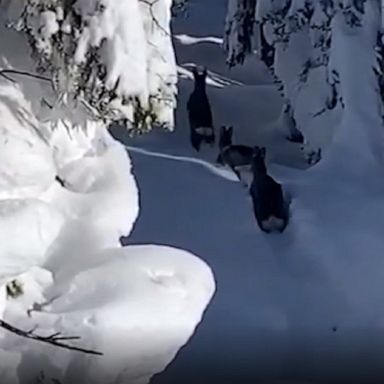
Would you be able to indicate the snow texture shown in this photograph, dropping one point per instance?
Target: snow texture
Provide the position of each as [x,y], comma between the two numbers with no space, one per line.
[67,196]
[301,307]
[304,306]
[116,56]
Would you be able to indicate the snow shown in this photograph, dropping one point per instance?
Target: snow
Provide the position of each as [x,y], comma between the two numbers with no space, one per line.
[361,121]
[120,52]
[95,178]
[189,40]
[49,24]
[33,226]
[19,145]
[121,40]
[138,305]
[301,307]
[382,13]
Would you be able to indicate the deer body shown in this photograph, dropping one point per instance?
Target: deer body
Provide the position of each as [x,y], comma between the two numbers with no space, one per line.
[270,209]
[199,113]
[237,157]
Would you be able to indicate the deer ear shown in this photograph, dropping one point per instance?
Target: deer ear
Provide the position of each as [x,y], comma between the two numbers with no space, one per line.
[205,72]
[263,152]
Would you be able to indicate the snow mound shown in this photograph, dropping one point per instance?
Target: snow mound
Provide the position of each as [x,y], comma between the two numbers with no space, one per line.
[96,174]
[27,229]
[137,305]
[26,166]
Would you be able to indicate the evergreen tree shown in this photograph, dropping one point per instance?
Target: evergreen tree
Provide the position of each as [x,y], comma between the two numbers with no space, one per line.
[315,45]
[113,60]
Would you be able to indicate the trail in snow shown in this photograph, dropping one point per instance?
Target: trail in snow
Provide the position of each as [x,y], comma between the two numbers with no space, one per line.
[216,170]
[303,306]
[279,298]
[213,79]
[255,326]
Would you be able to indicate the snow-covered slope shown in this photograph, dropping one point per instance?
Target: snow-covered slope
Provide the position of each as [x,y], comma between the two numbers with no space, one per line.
[67,194]
[302,307]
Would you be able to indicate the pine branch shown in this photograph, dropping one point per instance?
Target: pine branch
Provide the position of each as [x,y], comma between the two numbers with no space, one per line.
[55,339]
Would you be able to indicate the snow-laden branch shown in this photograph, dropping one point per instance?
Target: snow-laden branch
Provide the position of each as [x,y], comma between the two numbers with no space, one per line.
[116,57]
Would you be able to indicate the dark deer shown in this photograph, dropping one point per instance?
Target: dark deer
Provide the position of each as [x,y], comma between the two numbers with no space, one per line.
[237,157]
[199,112]
[270,209]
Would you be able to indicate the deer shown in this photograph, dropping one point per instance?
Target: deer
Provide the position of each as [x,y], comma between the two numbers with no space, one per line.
[199,112]
[237,157]
[269,206]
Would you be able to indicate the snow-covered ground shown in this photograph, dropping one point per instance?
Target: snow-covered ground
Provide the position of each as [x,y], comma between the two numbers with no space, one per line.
[302,307]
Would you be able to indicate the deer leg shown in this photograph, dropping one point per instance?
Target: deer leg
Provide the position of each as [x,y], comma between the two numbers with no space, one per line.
[212,140]
[238,174]
[209,136]
[195,140]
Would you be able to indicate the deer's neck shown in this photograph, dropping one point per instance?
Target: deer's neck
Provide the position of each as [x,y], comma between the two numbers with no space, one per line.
[260,171]
[200,87]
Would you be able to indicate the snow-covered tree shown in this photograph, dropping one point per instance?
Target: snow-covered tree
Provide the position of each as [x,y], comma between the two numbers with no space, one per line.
[113,60]
[320,64]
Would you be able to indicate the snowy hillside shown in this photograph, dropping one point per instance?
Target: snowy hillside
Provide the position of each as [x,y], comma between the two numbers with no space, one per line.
[302,307]
[67,194]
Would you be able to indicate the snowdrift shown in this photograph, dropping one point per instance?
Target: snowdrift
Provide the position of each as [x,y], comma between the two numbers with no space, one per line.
[137,305]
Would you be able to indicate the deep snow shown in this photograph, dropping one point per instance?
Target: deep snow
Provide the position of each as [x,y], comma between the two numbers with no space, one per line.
[137,305]
[302,307]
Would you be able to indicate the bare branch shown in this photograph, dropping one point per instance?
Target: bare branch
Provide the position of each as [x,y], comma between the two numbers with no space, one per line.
[38,307]
[157,23]
[54,339]
[45,102]
[4,73]
[7,77]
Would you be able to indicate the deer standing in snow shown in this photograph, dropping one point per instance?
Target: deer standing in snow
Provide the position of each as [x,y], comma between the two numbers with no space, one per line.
[199,112]
[237,157]
[269,206]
